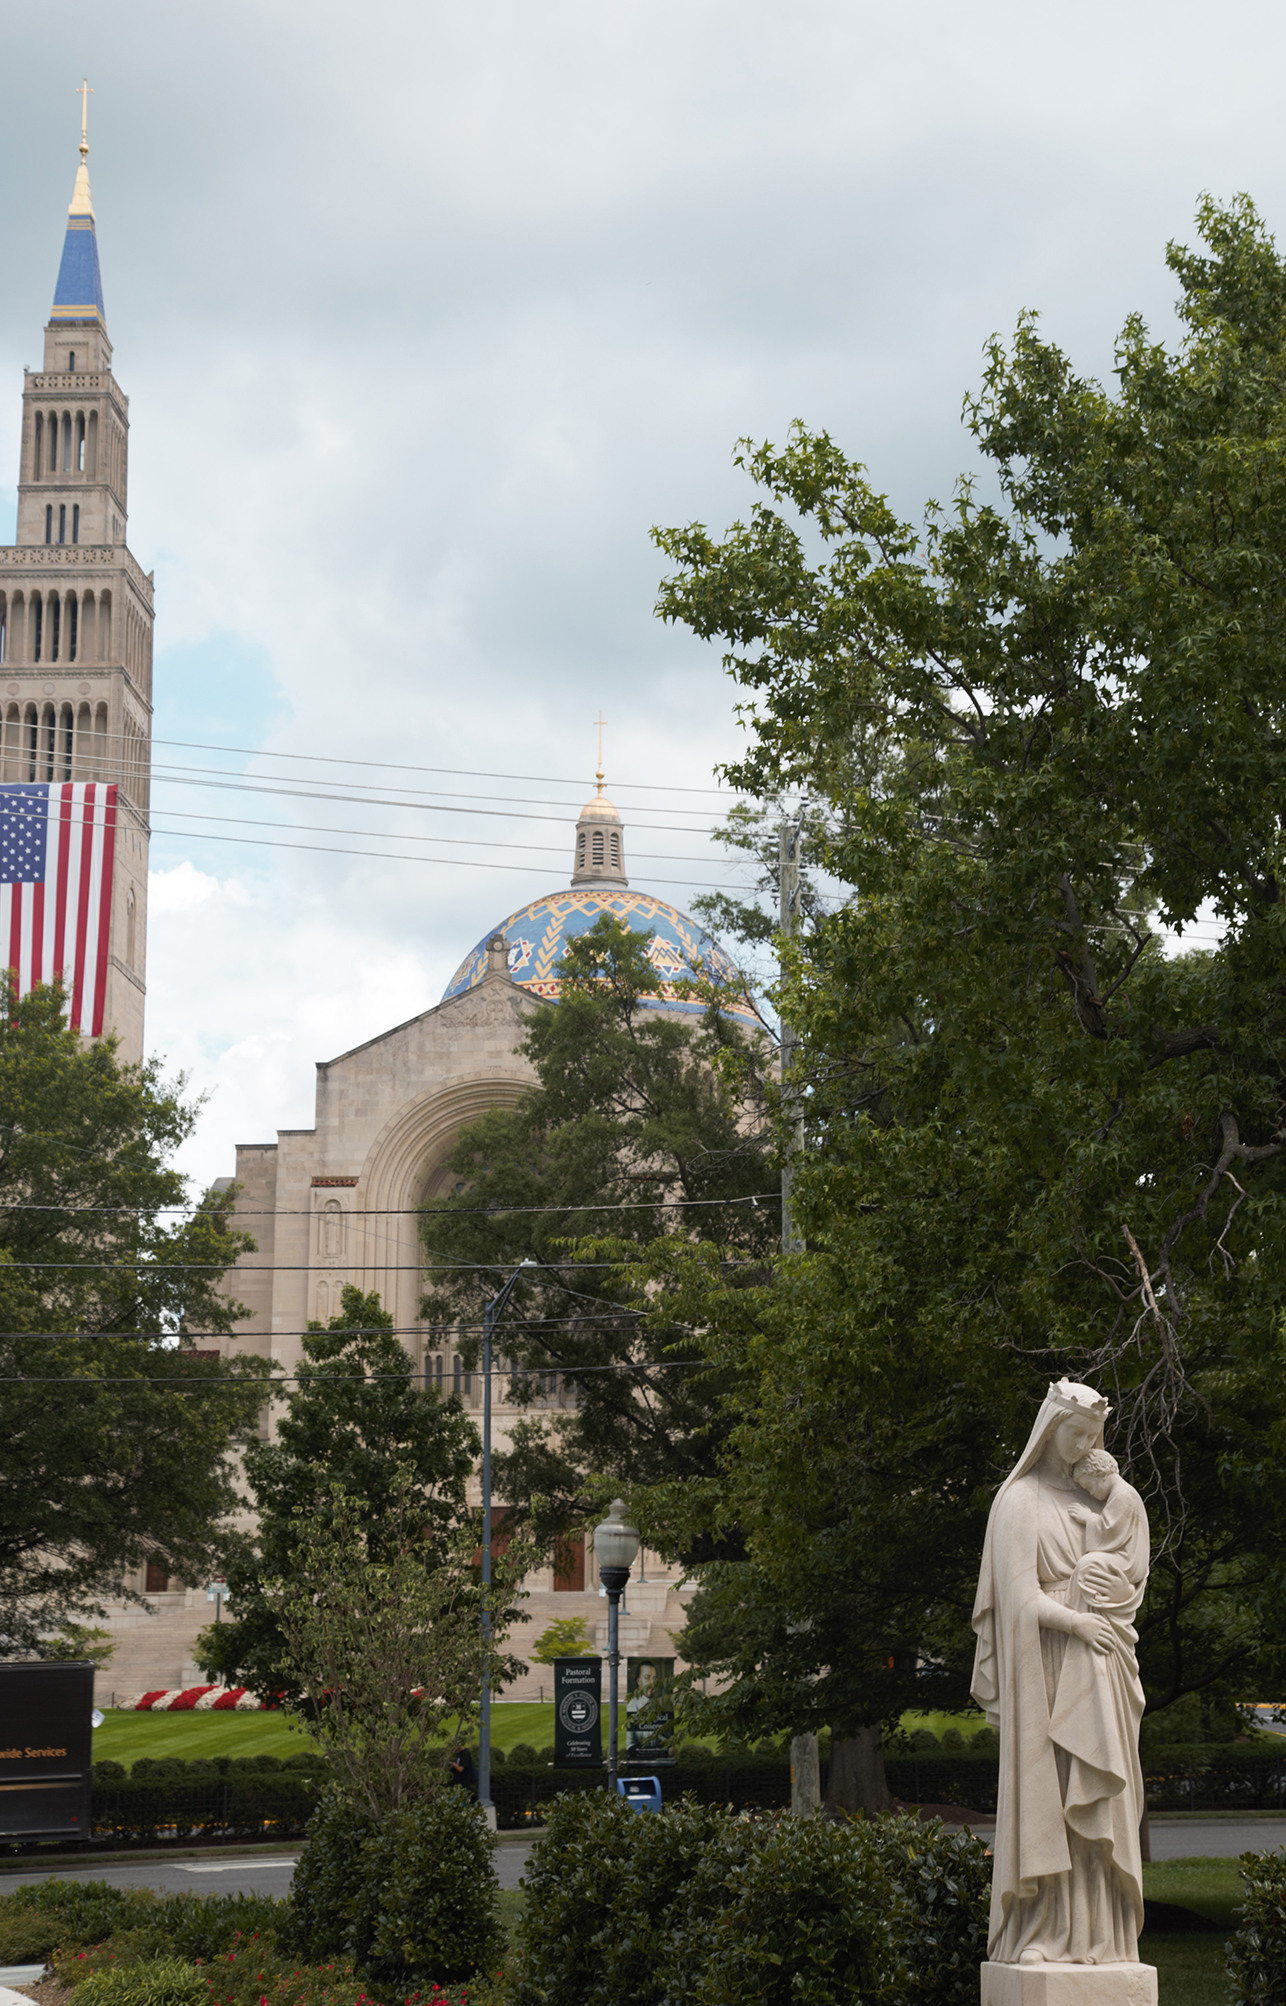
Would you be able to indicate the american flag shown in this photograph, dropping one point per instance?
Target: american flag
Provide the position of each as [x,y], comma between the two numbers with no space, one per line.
[56,847]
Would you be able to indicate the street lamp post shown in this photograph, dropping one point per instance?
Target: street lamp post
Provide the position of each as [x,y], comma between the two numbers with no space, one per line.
[490,1317]
[615,1544]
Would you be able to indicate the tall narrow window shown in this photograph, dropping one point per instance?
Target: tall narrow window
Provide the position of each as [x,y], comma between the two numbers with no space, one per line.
[4,631]
[80,444]
[73,622]
[33,741]
[616,849]
[580,849]
[332,1228]
[65,733]
[55,626]
[91,449]
[455,1375]
[598,846]
[75,537]
[71,359]
[66,442]
[49,740]
[49,522]
[38,449]
[37,631]
[62,522]
[53,442]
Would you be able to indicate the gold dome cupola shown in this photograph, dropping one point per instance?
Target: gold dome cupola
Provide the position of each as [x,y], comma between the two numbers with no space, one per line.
[599,856]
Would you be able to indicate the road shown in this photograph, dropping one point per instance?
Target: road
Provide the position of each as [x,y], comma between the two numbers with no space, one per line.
[249,1875]
[1172,1839]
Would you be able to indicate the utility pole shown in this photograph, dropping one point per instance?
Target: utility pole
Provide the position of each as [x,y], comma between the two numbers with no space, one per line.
[805,1765]
[490,1317]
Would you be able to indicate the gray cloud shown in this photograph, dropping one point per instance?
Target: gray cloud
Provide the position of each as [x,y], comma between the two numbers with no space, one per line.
[428,314]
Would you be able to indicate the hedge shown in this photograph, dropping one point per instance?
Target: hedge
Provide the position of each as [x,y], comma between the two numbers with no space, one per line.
[260,1797]
[705,1908]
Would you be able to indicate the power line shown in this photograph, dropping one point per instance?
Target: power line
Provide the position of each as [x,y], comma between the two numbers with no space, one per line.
[367,1379]
[397,766]
[405,1211]
[157,1269]
[396,836]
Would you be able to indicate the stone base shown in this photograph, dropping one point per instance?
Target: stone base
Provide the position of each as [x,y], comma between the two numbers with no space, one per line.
[1069,1985]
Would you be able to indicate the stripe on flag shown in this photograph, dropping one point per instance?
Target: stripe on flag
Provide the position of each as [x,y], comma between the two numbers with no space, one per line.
[57,844]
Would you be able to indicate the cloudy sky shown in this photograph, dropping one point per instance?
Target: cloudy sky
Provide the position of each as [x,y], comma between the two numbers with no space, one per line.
[427,313]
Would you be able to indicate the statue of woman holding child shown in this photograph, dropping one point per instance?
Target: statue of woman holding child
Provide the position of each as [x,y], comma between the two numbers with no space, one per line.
[1063,1571]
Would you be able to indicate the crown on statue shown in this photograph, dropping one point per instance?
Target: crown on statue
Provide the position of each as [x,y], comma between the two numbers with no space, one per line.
[1076,1399]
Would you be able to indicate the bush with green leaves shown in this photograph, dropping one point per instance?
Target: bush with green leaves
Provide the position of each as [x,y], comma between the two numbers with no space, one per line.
[1257,1953]
[780,1910]
[164,1981]
[36,1920]
[942,1879]
[414,1897]
[326,1888]
[431,1895]
[601,1891]
[705,1908]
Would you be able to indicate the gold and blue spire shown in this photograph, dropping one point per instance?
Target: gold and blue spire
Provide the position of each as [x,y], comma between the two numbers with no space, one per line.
[78,295]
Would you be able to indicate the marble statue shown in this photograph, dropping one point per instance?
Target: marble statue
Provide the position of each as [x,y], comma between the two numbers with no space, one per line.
[1064,1567]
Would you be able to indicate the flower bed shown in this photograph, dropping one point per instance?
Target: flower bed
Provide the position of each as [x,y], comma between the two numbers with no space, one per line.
[200,1699]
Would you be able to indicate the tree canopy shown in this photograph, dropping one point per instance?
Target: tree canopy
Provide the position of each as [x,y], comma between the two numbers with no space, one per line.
[356,1425]
[120,1427]
[633,1132]
[1044,1132]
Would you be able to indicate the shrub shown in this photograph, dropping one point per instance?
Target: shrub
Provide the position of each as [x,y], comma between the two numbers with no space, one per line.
[430,1895]
[325,1892]
[787,1909]
[415,1897]
[942,1880]
[523,1756]
[952,1742]
[108,1772]
[600,1891]
[497,1757]
[1257,1953]
[166,1981]
[701,1907]
[54,1913]
[985,1742]
[925,1742]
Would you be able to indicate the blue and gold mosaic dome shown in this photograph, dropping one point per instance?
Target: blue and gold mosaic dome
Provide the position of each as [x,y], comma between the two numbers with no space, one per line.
[538,935]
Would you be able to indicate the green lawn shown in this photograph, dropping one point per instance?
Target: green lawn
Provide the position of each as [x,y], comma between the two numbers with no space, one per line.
[123,1737]
[1190,1969]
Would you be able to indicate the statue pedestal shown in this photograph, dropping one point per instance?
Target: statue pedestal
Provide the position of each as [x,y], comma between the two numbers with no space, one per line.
[1069,1985]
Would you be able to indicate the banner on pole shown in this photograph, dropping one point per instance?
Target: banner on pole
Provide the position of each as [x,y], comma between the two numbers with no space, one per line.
[578,1713]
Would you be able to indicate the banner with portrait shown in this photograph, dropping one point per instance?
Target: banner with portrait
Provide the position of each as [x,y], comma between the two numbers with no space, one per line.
[649,1710]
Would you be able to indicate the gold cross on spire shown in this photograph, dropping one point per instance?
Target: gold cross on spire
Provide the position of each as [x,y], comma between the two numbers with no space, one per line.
[84,92]
[601,722]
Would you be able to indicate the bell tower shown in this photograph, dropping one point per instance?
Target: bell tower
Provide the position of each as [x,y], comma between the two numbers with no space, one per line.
[75,607]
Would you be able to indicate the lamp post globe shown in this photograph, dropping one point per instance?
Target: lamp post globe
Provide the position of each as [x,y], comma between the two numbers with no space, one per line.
[616,1545]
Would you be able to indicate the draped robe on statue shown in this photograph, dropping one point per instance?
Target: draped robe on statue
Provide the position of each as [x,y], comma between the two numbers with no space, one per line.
[1067,1871]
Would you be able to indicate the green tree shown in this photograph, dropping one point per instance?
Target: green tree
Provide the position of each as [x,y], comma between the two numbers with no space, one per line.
[1039,1139]
[355,1422]
[120,1435]
[643,1125]
[567,1638]
[380,1632]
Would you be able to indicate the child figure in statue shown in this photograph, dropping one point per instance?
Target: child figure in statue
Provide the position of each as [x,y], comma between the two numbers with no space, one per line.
[1098,1706]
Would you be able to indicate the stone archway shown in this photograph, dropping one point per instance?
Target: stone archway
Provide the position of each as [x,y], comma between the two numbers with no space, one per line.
[399,1173]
